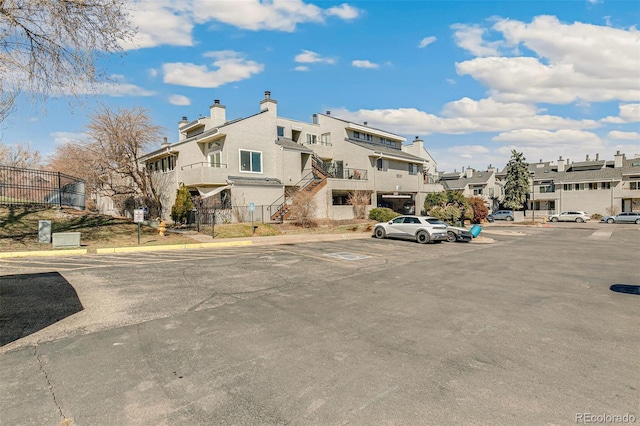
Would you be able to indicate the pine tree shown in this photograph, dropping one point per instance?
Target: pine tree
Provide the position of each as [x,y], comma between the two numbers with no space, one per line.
[517,182]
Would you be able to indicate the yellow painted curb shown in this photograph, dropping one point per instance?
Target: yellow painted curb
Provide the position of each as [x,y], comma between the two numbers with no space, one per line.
[42,253]
[172,247]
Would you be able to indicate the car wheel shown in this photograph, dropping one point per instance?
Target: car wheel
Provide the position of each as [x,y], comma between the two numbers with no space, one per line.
[580,220]
[422,237]
[379,232]
[609,220]
[451,236]
[554,219]
[637,221]
[509,218]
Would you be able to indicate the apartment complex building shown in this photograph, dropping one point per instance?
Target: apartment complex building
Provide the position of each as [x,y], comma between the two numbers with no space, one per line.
[258,160]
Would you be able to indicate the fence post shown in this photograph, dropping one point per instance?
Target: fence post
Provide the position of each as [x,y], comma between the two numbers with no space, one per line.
[59,191]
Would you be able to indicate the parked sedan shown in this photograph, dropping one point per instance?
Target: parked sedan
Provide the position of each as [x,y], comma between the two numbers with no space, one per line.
[455,233]
[418,228]
[572,216]
[626,217]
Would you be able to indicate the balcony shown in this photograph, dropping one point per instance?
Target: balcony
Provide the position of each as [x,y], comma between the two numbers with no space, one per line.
[204,173]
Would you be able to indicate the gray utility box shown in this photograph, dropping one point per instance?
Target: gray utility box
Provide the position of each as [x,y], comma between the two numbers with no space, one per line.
[44,231]
[66,239]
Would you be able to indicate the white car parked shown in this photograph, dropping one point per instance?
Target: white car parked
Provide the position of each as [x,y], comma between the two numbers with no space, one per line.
[572,216]
[423,229]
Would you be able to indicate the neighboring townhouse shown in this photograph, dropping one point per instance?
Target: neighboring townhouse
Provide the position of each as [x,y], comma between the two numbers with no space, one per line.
[593,185]
[259,160]
[475,183]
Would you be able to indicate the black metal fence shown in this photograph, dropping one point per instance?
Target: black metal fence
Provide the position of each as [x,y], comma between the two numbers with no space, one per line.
[19,186]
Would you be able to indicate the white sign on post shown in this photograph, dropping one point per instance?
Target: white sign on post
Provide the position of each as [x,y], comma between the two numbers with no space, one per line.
[252,207]
[138,215]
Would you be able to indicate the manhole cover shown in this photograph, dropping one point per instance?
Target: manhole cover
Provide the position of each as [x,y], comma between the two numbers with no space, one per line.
[347,256]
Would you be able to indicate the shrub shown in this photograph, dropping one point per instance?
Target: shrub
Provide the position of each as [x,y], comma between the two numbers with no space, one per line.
[449,214]
[182,206]
[303,208]
[360,200]
[596,216]
[382,214]
[480,211]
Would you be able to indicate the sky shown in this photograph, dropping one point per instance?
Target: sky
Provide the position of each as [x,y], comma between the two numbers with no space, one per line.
[473,79]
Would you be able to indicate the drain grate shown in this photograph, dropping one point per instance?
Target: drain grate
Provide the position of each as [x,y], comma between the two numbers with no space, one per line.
[344,255]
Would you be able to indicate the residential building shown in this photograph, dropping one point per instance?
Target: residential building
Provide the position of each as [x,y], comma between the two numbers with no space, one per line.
[259,160]
[593,185]
[475,183]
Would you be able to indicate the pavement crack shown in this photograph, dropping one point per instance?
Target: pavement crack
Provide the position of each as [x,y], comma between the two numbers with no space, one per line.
[49,384]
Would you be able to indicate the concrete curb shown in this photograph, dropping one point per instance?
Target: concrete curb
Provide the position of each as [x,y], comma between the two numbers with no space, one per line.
[172,247]
[42,253]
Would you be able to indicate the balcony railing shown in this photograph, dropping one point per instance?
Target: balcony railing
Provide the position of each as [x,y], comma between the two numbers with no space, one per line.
[205,164]
[347,173]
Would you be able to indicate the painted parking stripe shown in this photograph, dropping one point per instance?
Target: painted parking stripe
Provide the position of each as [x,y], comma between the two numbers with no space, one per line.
[601,235]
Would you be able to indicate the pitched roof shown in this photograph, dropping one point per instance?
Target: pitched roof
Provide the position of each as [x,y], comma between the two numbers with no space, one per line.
[387,150]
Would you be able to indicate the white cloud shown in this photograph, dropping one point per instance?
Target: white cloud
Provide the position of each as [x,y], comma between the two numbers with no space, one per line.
[470,37]
[309,57]
[160,22]
[629,113]
[179,100]
[426,41]
[302,68]
[229,67]
[538,137]
[61,138]
[276,15]
[169,22]
[344,11]
[624,136]
[464,116]
[364,64]
[562,70]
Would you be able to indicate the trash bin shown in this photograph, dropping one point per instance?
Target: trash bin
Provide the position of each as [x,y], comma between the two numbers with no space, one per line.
[475,230]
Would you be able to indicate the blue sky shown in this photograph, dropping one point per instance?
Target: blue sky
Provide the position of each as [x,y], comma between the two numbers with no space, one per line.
[473,79]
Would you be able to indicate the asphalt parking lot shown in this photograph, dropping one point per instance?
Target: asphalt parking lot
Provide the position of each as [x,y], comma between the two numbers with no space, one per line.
[541,326]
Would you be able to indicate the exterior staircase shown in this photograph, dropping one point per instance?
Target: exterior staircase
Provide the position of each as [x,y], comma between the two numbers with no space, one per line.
[312,183]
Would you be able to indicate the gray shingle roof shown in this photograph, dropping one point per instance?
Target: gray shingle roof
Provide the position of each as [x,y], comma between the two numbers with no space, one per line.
[387,150]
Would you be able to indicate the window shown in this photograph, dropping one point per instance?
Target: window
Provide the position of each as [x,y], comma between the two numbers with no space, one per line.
[413,169]
[634,185]
[605,185]
[325,139]
[382,164]
[477,191]
[214,159]
[363,136]
[593,185]
[281,131]
[546,188]
[311,138]
[388,142]
[251,161]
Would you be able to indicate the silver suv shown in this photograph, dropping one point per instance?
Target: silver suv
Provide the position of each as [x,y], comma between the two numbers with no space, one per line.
[627,217]
[572,216]
[500,215]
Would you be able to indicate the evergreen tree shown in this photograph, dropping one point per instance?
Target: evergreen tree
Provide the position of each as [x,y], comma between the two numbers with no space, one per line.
[517,182]
[182,206]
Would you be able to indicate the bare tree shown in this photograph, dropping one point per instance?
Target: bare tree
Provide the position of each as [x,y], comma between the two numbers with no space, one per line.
[109,161]
[50,47]
[360,200]
[20,156]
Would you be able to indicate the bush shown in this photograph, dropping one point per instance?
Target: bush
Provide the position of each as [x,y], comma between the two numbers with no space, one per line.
[480,211]
[303,208]
[448,214]
[182,206]
[382,214]
[596,216]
